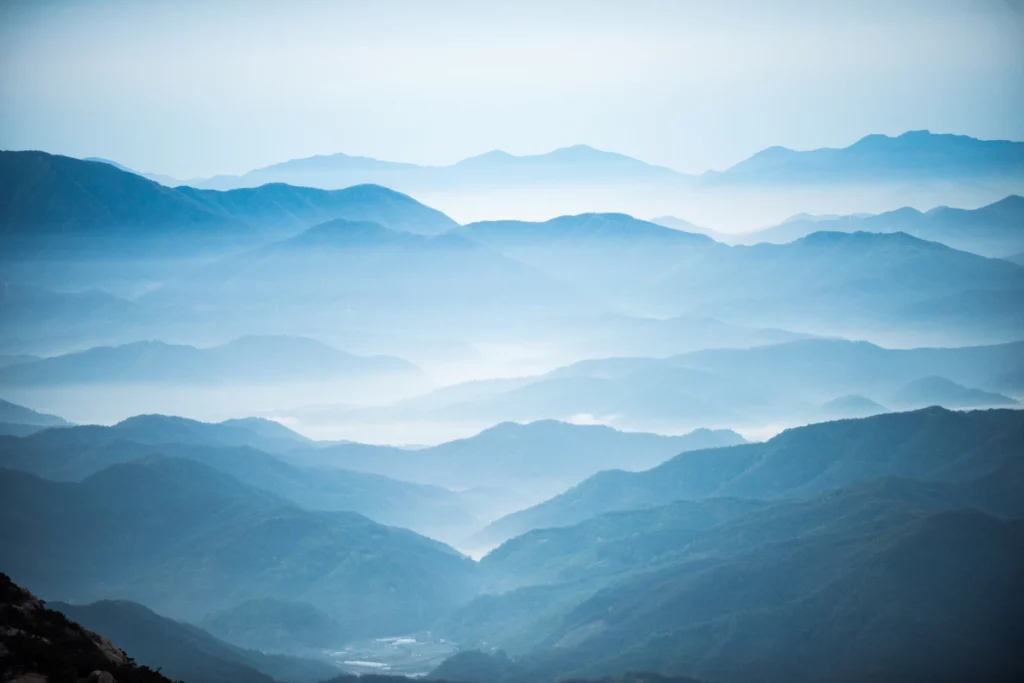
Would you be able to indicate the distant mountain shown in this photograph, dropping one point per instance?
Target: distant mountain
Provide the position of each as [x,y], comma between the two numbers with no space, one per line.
[686,226]
[541,457]
[851,406]
[249,359]
[351,273]
[928,444]
[63,205]
[74,454]
[165,180]
[186,652]
[575,165]
[187,540]
[593,251]
[996,230]
[60,208]
[915,155]
[859,280]
[275,625]
[41,644]
[774,384]
[286,209]
[13,413]
[936,390]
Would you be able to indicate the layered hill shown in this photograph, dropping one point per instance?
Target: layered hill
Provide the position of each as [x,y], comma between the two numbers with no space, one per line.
[186,539]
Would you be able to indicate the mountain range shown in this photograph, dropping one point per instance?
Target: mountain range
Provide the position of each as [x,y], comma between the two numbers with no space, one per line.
[995,230]
[249,359]
[914,154]
[930,444]
[185,539]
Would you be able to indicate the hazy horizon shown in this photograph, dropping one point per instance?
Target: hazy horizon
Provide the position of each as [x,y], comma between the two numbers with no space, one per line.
[214,90]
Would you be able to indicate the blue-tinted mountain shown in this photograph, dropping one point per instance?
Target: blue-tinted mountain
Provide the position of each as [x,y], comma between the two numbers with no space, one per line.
[543,456]
[851,406]
[186,652]
[59,208]
[746,617]
[931,444]
[579,164]
[76,453]
[186,540]
[13,413]
[249,359]
[995,230]
[779,383]
[287,209]
[275,625]
[847,279]
[915,155]
[935,390]
[349,273]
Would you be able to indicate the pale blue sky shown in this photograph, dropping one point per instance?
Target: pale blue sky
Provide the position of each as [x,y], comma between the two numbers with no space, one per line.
[190,88]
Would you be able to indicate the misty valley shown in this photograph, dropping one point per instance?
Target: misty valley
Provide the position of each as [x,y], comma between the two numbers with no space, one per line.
[330,353]
[288,433]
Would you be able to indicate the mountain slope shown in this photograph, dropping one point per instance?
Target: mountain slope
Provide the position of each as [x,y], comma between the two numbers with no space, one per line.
[285,208]
[936,390]
[995,230]
[186,652]
[13,413]
[929,599]
[40,644]
[249,359]
[574,165]
[185,539]
[931,444]
[535,453]
[912,155]
[77,453]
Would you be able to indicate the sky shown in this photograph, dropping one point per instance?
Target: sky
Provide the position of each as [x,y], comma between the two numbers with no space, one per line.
[192,89]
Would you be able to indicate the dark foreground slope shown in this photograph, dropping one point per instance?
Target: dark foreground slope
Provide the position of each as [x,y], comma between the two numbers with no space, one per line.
[186,652]
[39,642]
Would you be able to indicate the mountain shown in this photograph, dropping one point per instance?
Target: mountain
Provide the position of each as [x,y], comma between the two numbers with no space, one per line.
[286,209]
[928,444]
[772,384]
[63,205]
[686,226]
[67,210]
[594,252]
[165,180]
[187,540]
[851,406]
[689,588]
[13,413]
[841,281]
[186,652]
[914,155]
[995,230]
[936,390]
[40,644]
[748,618]
[541,458]
[77,453]
[574,165]
[249,359]
[344,273]
[275,625]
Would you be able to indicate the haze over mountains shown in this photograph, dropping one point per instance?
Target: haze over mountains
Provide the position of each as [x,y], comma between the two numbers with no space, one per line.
[919,168]
[298,425]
